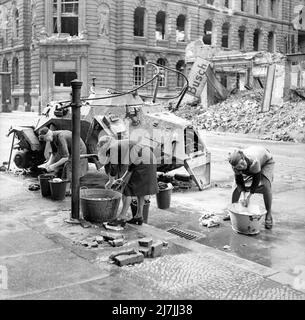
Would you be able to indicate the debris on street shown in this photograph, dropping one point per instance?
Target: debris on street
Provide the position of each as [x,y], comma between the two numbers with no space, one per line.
[209,220]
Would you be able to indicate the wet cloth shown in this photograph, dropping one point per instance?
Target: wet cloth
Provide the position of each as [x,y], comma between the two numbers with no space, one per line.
[140,160]
[62,148]
[260,164]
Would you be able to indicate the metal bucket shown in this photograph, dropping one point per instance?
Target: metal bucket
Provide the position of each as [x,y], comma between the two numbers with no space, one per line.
[246,220]
[99,205]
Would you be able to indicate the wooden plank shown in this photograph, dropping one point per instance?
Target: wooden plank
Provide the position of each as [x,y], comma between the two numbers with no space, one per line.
[268,88]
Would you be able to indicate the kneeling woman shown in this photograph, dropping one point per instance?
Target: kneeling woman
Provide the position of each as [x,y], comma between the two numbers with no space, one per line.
[132,168]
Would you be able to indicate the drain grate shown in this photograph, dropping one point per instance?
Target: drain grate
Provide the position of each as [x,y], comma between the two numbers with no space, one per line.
[183,233]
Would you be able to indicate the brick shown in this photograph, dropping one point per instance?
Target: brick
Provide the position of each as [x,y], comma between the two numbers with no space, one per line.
[125,260]
[156,249]
[99,239]
[146,242]
[111,235]
[117,242]
[145,251]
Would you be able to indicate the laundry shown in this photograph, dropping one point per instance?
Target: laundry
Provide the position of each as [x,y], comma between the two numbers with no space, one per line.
[209,220]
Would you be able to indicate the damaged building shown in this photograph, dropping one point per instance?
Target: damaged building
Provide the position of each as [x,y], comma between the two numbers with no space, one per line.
[45,44]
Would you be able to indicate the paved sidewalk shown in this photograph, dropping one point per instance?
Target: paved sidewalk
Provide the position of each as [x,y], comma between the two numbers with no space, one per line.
[43,262]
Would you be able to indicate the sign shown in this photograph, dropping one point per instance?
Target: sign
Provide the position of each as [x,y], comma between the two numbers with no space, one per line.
[197,77]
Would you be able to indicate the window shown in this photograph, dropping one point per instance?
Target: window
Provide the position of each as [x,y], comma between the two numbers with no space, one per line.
[256,40]
[16,24]
[225,35]
[162,78]
[227,3]
[207,37]
[138,71]
[273,8]
[210,2]
[271,43]
[242,5]
[5,65]
[180,67]
[241,36]
[258,6]
[15,75]
[224,80]
[160,25]
[65,17]
[180,29]
[139,19]
[63,79]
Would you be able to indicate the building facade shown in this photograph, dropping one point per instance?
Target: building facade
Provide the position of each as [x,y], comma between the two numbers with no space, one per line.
[45,44]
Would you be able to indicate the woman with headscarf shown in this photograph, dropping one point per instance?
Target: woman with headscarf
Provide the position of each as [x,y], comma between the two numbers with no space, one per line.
[131,167]
[253,169]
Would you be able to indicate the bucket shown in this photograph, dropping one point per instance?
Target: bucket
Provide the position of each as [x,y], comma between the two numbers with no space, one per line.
[99,205]
[164,197]
[134,207]
[58,189]
[246,220]
[44,184]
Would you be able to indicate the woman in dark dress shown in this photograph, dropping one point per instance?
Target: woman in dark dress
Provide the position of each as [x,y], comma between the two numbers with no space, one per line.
[132,168]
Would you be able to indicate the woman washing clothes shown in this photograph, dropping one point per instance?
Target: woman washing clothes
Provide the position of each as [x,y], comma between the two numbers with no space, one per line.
[253,168]
[132,168]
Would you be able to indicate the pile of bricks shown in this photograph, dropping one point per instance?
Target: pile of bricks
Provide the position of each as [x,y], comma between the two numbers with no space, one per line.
[114,239]
[147,249]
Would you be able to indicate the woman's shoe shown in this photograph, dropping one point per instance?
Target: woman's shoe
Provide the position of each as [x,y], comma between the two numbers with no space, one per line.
[116,222]
[269,223]
[137,221]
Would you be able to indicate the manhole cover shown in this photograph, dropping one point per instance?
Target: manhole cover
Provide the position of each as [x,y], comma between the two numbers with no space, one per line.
[184,233]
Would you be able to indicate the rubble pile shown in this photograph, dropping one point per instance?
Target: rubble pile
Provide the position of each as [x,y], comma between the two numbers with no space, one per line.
[241,113]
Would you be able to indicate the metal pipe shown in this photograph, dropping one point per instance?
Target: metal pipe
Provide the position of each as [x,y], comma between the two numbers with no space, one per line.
[9,161]
[76,105]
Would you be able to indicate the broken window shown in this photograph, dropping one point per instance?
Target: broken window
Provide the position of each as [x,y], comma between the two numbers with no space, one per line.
[224,80]
[160,25]
[256,40]
[180,66]
[65,16]
[271,42]
[227,3]
[210,2]
[5,65]
[16,24]
[180,29]
[241,35]
[163,75]
[63,79]
[15,73]
[207,37]
[139,71]
[139,22]
[273,8]
[225,35]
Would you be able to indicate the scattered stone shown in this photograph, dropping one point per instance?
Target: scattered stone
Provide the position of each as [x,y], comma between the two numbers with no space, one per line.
[146,242]
[111,235]
[126,252]
[165,244]
[156,249]
[145,251]
[93,244]
[99,239]
[116,242]
[124,260]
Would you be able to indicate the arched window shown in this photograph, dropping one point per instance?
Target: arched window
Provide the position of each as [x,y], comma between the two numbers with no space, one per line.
[256,40]
[139,71]
[225,35]
[207,36]
[139,22]
[271,42]
[5,65]
[163,78]
[160,25]
[180,28]
[241,36]
[180,66]
[15,73]
[16,23]
[242,5]
[66,16]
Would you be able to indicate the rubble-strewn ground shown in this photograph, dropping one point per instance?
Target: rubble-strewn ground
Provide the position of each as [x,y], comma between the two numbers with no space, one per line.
[241,113]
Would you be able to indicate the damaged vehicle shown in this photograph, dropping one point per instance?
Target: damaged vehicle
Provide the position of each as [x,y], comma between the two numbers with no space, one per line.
[175,141]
